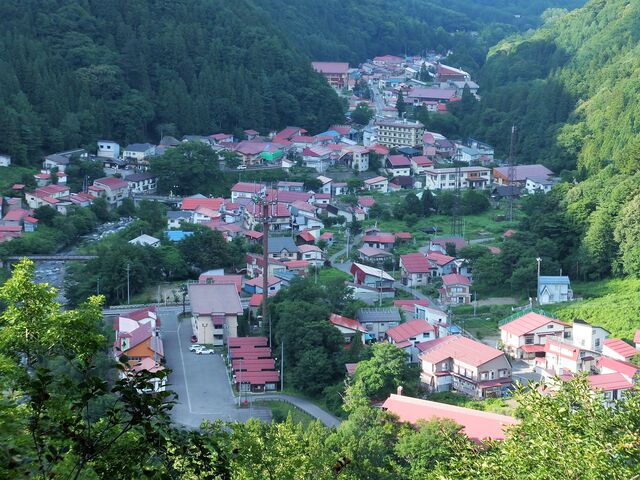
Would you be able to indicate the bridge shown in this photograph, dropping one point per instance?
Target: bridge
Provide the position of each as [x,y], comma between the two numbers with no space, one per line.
[52,258]
[169,199]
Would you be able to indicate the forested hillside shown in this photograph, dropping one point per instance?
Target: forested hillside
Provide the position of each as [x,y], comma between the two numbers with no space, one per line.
[354,30]
[573,90]
[571,87]
[75,70]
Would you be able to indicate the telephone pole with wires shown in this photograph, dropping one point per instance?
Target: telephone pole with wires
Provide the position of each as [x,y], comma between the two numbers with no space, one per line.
[511,175]
[262,201]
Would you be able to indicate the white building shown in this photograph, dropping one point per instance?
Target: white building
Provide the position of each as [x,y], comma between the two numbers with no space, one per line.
[108,149]
[447,178]
[139,151]
[399,133]
[539,185]
[5,160]
[588,337]
[554,289]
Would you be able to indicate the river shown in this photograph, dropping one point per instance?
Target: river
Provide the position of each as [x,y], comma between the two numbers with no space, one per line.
[53,272]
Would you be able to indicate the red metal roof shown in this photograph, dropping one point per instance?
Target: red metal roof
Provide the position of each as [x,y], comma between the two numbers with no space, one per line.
[345,322]
[459,348]
[438,258]
[610,365]
[532,348]
[403,235]
[366,201]
[246,187]
[609,381]
[256,300]
[222,279]
[415,263]
[477,425]
[259,365]
[257,378]
[351,368]
[306,236]
[409,329]
[112,182]
[621,347]
[455,279]
[380,238]
[528,323]
[399,161]
[238,342]
[193,203]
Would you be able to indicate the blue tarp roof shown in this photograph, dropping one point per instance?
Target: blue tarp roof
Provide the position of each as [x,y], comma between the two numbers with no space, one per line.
[177,235]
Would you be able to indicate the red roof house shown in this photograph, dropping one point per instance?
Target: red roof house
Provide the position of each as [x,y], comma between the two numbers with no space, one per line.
[476,424]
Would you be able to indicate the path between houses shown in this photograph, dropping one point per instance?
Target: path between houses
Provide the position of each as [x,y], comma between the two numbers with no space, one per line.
[303,404]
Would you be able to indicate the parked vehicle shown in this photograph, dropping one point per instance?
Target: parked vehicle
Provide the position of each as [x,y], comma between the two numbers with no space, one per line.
[241,167]
[194,339]
[205,351]
[195,347]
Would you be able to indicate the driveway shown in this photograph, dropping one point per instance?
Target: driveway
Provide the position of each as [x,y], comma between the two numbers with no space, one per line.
[523,373]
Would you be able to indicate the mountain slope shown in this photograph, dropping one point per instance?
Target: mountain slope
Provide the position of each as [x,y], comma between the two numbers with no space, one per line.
[572,87]
[354,30]
[75,70]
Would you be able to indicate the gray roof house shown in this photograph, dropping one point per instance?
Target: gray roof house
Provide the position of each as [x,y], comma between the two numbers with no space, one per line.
[282,247]
[378,320]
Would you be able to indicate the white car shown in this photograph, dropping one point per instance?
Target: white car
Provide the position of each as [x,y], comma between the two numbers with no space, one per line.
[205,351]
[195,348]
[241,167]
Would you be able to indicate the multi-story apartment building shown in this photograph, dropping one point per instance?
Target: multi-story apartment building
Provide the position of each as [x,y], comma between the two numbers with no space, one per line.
[399,133]
[448,178]
[215,309]
[471,368]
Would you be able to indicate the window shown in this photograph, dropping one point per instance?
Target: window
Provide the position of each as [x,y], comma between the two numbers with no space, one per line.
[550,326]
[597,342]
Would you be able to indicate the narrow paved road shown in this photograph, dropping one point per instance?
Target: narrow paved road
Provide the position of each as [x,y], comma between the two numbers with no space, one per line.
[309,407]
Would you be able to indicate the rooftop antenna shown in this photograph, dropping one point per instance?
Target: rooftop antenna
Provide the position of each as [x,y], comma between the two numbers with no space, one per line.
[511,175]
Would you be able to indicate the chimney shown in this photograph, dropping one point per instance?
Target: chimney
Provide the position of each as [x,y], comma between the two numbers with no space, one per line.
[400,390]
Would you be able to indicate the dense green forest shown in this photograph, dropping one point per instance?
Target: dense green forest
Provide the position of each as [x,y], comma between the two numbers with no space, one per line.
[73,71]
[352,30]
[571,88]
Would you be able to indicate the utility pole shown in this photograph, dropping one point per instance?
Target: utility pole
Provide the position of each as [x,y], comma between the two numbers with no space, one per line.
[511,174]
[281,365]
[260,199]
[128,284]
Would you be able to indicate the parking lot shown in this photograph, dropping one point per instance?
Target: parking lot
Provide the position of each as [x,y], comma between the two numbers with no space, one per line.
[200,381]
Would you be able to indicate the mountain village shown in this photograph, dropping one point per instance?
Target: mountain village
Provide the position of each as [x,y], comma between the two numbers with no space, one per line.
[302,231]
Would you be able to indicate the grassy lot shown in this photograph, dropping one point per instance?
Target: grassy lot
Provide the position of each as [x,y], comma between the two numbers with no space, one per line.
[613,304]
[11,175]
[327,274]
[169,291]
[495,405]
[484,323]
[281,410]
